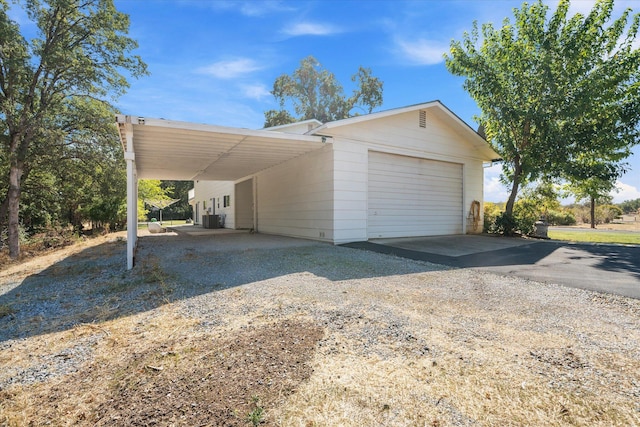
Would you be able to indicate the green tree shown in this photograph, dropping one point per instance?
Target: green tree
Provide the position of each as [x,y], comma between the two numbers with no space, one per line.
[178,190]
[80,53]
[312,92]
[550,90]
[75,177]
[594,184]
[630,206]
[150,190]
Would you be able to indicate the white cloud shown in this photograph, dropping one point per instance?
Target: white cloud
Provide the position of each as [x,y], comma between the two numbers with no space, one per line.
[310,29]
[248,8]
[585,7]
[255,91]
[625,192]
[423,51]
[259,8]
[231,69]
[494,190]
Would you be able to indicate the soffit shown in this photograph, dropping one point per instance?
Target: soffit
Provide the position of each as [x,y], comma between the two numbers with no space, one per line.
[186,151]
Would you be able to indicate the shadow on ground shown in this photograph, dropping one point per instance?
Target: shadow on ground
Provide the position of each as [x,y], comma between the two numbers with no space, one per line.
[94,285]
[599,267]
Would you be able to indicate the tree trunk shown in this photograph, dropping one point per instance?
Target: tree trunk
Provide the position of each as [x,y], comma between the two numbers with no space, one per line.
[4,206]
[517,173]
[593,212]
[13,196]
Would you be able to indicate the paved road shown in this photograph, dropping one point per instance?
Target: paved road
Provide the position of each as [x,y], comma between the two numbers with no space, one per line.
[604,268]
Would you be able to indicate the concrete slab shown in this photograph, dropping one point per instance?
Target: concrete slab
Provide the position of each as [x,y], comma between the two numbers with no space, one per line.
[196,230]
[455,245]
[612,269]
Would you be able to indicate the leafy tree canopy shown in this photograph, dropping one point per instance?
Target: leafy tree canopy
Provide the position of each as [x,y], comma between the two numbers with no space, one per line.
[151,192]
[49,85]
[312,92]
[630,206]
[557,94]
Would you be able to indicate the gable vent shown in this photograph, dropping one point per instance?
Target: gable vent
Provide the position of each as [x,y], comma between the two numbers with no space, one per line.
[422,121]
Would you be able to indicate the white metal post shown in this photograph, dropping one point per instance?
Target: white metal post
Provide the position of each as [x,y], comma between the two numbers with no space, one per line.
[132,197]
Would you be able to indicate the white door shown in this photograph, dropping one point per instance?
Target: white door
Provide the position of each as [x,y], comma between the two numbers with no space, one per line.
[409,196]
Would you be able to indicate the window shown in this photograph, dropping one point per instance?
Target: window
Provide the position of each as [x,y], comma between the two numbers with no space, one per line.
[227,201]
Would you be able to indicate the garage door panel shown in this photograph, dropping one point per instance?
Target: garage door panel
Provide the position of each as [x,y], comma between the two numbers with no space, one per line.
[408,196]
[435,186]
[421,167]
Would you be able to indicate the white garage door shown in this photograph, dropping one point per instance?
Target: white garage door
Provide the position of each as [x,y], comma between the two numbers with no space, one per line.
[409,196]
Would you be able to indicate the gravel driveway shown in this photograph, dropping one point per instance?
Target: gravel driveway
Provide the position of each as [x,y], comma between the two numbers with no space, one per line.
[405,342]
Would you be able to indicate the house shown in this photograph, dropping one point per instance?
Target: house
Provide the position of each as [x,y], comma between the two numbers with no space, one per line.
[412,171]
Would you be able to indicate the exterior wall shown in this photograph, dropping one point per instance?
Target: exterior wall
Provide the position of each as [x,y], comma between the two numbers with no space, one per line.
[207,190]
[323,195]
[350,191]
[400,134]
[243,204]
[296,197]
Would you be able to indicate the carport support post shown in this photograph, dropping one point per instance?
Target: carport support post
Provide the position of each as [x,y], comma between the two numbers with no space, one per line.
[132,197]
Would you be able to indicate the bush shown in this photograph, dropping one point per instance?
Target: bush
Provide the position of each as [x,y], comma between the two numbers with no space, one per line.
[522,222]
[608,213]
[55,237]
[23,237]
[564,217]
[504,224]
[526,212]
[491,212]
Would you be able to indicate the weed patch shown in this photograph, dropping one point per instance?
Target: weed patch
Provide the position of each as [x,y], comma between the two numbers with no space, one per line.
[6,310]
[153,375]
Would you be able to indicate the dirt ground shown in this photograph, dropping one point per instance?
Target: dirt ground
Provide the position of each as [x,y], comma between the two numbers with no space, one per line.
[432,348]
[624,226]
[155,369]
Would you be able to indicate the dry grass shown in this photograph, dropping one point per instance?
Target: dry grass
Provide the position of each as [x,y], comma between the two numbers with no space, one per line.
[492,373]
[6,310]
[161,366]
[411,350]
[625,226]
[34,260]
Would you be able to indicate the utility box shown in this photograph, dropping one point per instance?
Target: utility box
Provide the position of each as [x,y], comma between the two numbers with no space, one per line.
[542,228]
[210,221]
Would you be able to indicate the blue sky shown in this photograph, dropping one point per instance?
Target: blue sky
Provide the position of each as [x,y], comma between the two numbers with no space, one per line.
[215,61]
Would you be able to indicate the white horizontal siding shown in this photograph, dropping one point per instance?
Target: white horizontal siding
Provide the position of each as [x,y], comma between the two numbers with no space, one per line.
[400,135]
[207,190]
[296,197]
[350,191]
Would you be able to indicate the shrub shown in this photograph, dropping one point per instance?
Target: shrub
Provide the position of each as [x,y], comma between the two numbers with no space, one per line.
[522,222]
[564,217]
[504,224]
[23,237]
[608,213]
[54,237]
[526,212]
[491,212]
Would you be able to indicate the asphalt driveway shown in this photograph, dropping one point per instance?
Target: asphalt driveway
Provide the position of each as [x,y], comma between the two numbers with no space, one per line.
[599,267]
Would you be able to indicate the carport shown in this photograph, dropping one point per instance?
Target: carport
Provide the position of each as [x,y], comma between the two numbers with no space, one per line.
[173,150]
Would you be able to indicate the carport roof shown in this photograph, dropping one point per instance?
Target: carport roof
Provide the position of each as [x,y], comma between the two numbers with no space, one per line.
[174,150]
